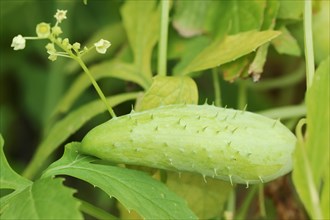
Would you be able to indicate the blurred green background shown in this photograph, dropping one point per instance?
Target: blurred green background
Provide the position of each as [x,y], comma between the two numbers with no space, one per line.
[31,85]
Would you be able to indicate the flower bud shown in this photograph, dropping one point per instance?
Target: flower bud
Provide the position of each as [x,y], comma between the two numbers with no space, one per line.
[18,42]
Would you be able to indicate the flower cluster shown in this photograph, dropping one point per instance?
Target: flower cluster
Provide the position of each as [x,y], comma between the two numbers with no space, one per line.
[45,31]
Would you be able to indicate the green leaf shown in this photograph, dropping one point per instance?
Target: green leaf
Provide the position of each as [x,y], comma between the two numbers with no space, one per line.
[167,90]
[311,168]
[67,126]
[134,189]
[223,51]
[44,199]
[206,197]
[256,67]
[9,179]
[236,69]
[216,18]
[191,49]
[116,69]
[247,15]
[291,10]
[141,21]
[270,13]
[321,32]
[189,17]
[286,43]
[325,196]
[318,122]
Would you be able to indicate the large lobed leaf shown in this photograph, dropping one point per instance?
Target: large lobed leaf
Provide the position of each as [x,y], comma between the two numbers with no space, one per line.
[134,189]
[43,199]
[9,179]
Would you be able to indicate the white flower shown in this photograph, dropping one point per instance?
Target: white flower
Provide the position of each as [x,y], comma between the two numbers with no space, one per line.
[18,42]
[43,30]
[102,46]
[60,15]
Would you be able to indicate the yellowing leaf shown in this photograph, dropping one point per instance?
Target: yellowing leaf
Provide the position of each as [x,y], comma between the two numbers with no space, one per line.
[229,49]
[206,198]
[167,90]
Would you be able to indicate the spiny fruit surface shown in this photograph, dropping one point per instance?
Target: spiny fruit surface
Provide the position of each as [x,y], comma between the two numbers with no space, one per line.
[232,145]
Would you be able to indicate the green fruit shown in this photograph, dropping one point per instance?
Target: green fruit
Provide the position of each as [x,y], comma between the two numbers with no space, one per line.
[237,146]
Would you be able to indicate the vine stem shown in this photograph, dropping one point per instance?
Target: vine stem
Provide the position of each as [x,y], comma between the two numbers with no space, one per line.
[262,207]
[229,213]
[242,212]
[86,70]
[162,51]
[216,85]
[96,86]
[285,112]
[308,38]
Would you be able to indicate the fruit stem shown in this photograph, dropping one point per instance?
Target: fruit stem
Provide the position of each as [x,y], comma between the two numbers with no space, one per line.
[216,85]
